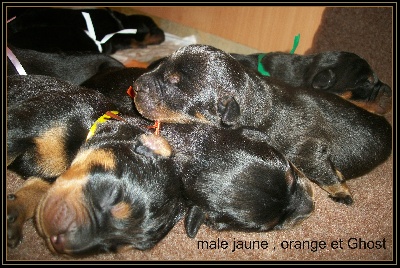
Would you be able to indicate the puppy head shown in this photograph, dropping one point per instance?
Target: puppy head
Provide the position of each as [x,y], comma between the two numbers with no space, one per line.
[350,76]
[197,83]
[148,33]
[111,196]
[254,189]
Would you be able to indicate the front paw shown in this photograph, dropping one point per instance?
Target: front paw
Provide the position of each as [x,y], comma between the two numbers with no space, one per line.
[21,206]
[15,222]
[339,192]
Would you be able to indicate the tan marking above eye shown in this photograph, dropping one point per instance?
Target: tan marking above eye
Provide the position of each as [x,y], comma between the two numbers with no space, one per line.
[346,95]
[174,78]
[122,210]
[202,118]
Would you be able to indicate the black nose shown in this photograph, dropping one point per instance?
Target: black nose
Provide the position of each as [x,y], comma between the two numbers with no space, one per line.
[387,91]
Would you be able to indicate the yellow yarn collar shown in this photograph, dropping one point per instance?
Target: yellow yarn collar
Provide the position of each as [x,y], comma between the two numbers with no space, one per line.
[102,119]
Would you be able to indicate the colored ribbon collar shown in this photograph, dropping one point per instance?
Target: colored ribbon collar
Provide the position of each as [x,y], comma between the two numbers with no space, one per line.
[92,34]
[14,60]
[261,56]
[103,119]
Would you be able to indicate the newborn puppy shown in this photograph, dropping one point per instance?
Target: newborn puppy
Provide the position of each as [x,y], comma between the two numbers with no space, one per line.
[342,73]
[112,195]
[325,137]
[47,122]
[105,193]
[63,29]
[75,67]
[234,183]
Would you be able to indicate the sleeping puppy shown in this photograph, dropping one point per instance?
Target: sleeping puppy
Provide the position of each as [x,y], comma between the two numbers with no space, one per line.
[97,201]
[42,143]
[112,195]
[235,183]
[325,137]
[89,69]
[31,100]
[58,29]
[72,66]
[342,73]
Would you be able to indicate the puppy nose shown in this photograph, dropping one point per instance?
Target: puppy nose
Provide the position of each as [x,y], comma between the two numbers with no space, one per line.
[383,98]
[386,90]
[58,243]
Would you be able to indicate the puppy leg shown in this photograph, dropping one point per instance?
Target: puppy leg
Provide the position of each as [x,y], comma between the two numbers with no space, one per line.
[338,191]
[194,219]
[21,206]
[313,158]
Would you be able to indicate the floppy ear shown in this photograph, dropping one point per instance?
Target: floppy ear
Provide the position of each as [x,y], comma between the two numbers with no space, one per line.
[324,79]
[194,219]
[151,144]
[229,110]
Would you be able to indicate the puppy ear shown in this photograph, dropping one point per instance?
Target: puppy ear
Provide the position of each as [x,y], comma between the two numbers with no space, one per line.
[194,219]
[229,110]
[324,79]
[151,144]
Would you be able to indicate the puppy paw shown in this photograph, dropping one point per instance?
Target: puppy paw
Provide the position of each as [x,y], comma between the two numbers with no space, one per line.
[149,145]
[21,206]
[15,222]
[344,199]
[339,192]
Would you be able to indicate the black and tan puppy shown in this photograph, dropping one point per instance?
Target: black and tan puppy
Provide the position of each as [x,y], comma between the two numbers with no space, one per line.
[329,139]
[43,136]
[89,69]
[339,72]
[62,29]
[112,195]
[41,108]
[232,182]
[105,193]
[72,66]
